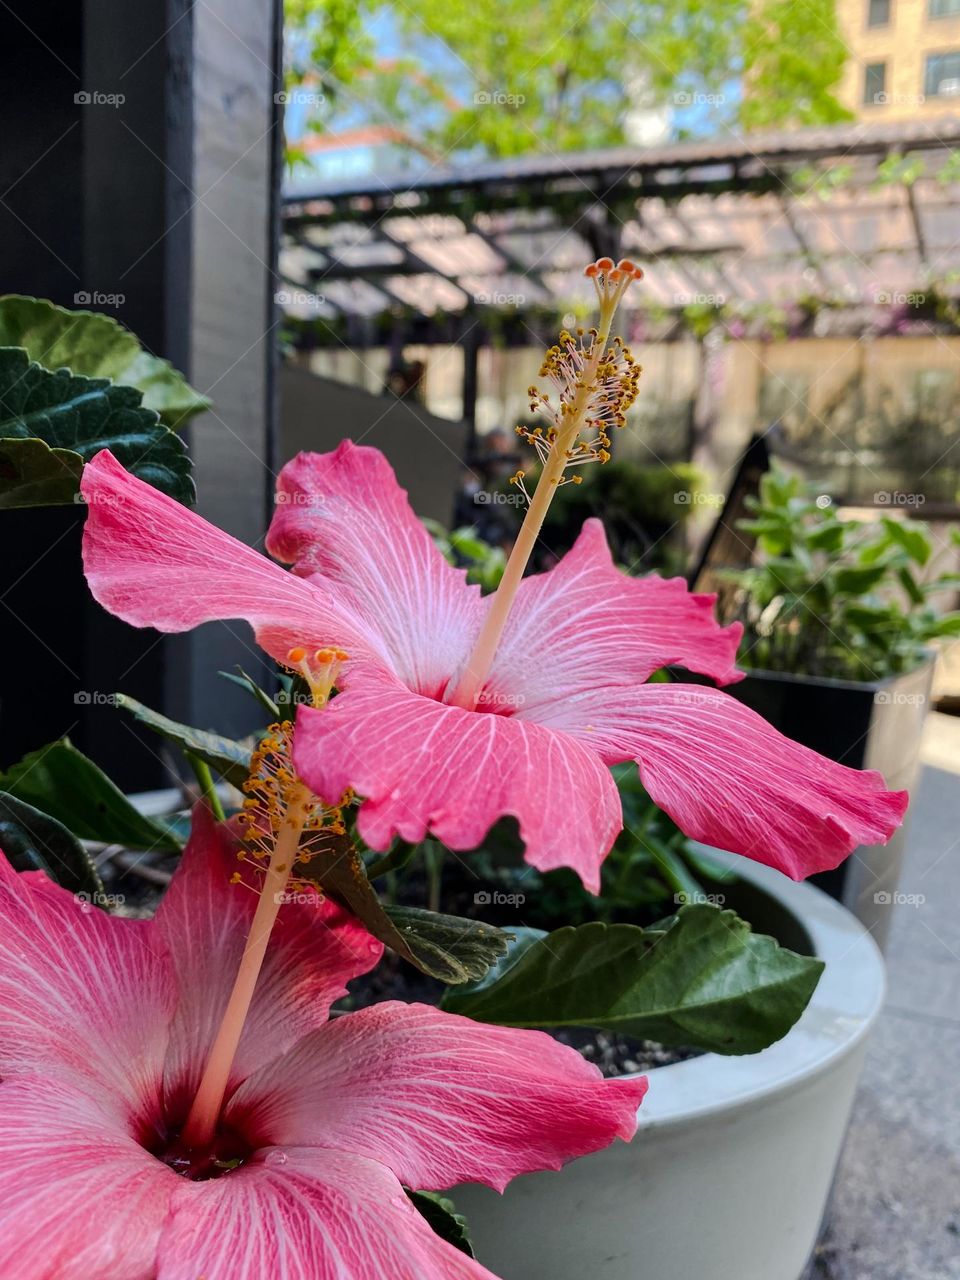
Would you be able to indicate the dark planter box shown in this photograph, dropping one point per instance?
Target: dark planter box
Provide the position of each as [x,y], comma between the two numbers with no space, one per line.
[865,726]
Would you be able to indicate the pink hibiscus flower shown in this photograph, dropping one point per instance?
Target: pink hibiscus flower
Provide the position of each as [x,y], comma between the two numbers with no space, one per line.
[563,699]
[107,1026]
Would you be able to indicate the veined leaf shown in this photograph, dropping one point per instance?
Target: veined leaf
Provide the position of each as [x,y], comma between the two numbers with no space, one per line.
[96,346]
[701,978]
[62,782]
[51,423]
[450,948]
[33,841]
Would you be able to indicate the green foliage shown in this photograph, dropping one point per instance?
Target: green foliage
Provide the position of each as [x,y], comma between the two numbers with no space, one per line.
[449,948]
[468,78]
[835,598]
[33,841]
[463,547]
[53,422]
[653,867]
[441,1213]
[96,346]
[63,783]
[700,978]
[638,504]
[794,59]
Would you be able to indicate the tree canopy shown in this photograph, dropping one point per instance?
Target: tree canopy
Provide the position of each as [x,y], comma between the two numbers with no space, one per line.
[504,77]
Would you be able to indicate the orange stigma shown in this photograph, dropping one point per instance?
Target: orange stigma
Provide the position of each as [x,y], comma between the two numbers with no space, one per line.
[319,670]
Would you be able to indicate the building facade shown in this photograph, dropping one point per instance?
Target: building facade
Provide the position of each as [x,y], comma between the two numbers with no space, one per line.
[904,61]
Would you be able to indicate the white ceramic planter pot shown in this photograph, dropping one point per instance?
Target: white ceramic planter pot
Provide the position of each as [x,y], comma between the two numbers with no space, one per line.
[730,1171]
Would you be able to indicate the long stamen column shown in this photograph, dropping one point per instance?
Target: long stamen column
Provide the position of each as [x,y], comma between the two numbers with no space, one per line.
[597,384]
[285,822]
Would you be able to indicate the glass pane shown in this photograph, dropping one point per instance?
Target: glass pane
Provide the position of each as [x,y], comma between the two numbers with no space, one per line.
[874,82]
[942,78]
[944,8]
[878,12]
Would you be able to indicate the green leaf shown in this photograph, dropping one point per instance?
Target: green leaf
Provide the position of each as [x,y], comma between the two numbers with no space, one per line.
[450,948]
[676,873]
[62,782]
[855,582]
[96,346]
[788,574]
[829,537]
[230,758]
[947,625]
[910,538]
[701,978]
[441,1214]
[871,617]
[51,423]
[522,938]
[910,585]
[33,841]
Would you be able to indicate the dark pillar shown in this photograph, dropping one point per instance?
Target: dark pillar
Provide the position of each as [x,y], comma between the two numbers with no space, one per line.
[140,140]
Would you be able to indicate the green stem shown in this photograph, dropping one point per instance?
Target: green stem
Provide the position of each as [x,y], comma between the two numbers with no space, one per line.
[433,856]
[208,788]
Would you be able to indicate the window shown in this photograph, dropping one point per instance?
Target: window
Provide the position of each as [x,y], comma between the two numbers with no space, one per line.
[942,76]
[878,12]
[874,84]
[944,8]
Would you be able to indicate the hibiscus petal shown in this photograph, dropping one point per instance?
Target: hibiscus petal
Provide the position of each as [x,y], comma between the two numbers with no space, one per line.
[315,949]
[155,564]
[79,1198]
[81,991]
[306,1214]
[424,766]
[727,777]
[439,1098]
[586,623]
[344,517]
